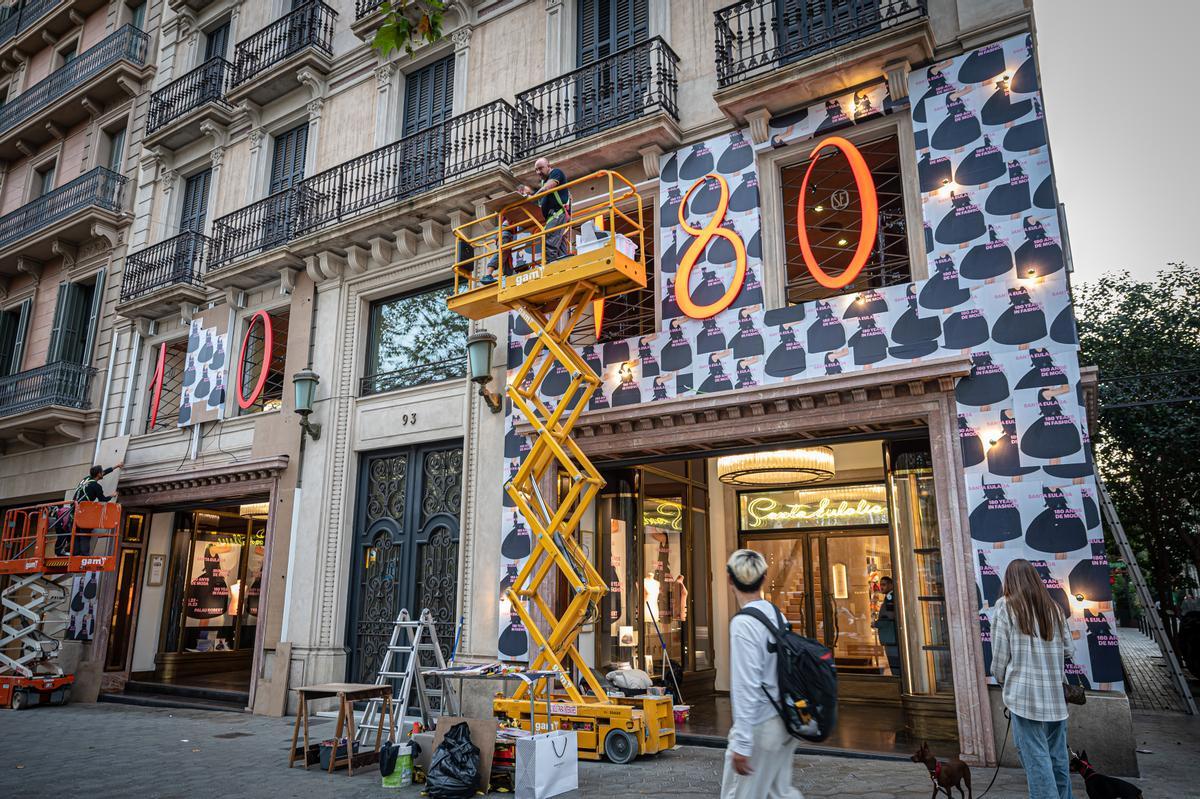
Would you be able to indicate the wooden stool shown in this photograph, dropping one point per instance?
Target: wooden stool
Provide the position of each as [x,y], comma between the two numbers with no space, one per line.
[346,694]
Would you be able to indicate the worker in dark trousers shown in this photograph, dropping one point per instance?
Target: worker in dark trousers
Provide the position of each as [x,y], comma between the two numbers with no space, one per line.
[555,207]
[88,490]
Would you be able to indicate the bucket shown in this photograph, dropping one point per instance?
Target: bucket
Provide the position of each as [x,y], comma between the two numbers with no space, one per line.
[681,713]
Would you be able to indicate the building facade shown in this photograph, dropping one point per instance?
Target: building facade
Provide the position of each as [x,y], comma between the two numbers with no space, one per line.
[854,249]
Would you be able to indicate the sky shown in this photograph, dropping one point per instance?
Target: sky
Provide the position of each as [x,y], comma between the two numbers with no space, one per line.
[1118,79]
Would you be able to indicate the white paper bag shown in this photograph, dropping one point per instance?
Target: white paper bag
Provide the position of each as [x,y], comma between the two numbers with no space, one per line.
[547,765]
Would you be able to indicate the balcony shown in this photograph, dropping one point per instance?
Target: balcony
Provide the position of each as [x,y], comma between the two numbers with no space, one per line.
[629,97]
[55,224]
[22,32]
[47,404]
[368,14]
[160,278]
[258,229]
[109,71]
[266,64]
[178,109]
[777,54]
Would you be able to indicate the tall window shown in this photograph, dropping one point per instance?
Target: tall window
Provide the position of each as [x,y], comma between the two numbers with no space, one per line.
[195,202]
[606,26]
[833,212]
[429,96]
[174,366]
[414,339]
[114,142]
[75,316]
[68,53]
[216,42]
[14,325]
[137,15]
[287,161]
[256,358]
[43,180]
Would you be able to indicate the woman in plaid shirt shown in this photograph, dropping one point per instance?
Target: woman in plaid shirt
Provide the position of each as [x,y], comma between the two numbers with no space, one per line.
[1030,644]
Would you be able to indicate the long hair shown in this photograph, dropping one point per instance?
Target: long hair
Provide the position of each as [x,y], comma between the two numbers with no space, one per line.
[1029,601]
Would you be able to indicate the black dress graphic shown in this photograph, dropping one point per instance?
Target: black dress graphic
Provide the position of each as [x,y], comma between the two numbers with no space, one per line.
[218,357]
[983,164]
[968,439]
[1022,322]
[668,262]
[593,360]
[914,336]
[737,156]
[720,251]
[1089,576]
[1028,135]
[660,389]
[985,261]
[745,196]
[556,382]
[704,200]
[754,246]
[1042,371]
[208,593]
[669,173]
[788,358]
[1011,197]
[1102,647]
[867,303]
[962,223]
[1091,513]
[616,352]
[1043,195]
[709,290]
[599,401]
[710,339]
[958,129]
[698,163]
[516,352]
[985,638]
[216,397]
[938,84]
[1004,457]
[869,342]
[1071,471]
[965,330]
[626,391]
[670,308]
[933,173]
[517,544]
[193,338]
[189,374]
[833,366]
[507,501]
[942,290]
[676,354]
[513,641]
[204,386]
[996,517]
[717,380]
[834,117]
[647,359]
[826,332]
[1053,586]
[185,409]
[920,139]
[1040,255]
[985,385]
[745,377]
[206,352]
[747,342]
[983,64]
[1025,79]
[1058,528]
[1000,109]
[751,293]
[669,212]
[515,444]
[993,587]
[1054,435]
[1062,329]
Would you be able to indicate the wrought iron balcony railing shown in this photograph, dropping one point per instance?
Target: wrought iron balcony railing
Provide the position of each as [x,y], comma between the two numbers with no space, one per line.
[127,43]
[59,383]
[411,376]
[206,83]
[365,8]
[755,36]
[627,85]
[177,261]
[311,25]
[412,165]
[99,188]
[255,228]
[25,18]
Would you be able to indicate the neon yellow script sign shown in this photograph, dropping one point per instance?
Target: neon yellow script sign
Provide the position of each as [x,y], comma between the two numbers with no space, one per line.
[808,508]
[664,514]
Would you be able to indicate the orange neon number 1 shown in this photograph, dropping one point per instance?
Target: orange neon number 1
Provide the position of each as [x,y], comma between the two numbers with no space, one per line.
[870,215]
[703,236]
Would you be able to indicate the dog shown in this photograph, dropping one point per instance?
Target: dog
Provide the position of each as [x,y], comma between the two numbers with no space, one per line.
[1099,786]
[945,774]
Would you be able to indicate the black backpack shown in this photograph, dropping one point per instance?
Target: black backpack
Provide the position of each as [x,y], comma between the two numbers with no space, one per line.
[806,674]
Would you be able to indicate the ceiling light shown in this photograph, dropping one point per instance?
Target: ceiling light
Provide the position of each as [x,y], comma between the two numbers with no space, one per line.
[777,467]
[255,510]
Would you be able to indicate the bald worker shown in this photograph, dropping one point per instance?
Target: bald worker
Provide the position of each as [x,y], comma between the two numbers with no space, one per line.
[555,207]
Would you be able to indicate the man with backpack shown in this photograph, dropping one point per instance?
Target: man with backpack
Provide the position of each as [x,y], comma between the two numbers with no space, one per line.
[88,490]
[758,761]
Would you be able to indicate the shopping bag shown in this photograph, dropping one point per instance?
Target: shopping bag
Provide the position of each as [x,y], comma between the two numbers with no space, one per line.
[547,765]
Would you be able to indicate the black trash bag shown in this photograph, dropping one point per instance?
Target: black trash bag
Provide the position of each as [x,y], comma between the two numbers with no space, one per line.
[388,754]
[454,770]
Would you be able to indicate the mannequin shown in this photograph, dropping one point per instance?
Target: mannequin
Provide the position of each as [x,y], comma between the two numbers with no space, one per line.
[652,587]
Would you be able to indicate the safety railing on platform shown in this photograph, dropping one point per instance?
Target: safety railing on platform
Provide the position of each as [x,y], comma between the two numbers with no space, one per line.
[59,537]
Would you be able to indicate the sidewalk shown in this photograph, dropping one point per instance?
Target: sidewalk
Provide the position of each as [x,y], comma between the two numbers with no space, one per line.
[118,751]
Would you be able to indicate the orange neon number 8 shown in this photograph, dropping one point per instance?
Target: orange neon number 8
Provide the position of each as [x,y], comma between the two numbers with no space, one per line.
[703,236]
[870,215]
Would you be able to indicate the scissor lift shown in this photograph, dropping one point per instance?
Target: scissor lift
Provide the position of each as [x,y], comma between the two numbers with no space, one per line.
[552,297]
[40,561]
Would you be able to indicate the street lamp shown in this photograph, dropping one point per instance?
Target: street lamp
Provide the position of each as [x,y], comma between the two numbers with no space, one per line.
[305,382]
[480,347]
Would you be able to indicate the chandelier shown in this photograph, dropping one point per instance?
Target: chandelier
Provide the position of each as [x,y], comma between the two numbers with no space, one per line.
[780,467]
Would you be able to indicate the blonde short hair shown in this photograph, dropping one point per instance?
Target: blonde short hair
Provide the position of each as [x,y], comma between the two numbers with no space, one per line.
[747,568]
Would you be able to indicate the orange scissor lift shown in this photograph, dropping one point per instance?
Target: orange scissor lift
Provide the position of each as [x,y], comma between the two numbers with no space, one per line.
[552,297]
[35,601]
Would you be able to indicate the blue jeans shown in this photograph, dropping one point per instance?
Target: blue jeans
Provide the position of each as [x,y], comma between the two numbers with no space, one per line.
[1042,747]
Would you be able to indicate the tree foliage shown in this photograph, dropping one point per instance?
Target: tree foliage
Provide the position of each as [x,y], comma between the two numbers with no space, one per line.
[1148,455]
[407,23]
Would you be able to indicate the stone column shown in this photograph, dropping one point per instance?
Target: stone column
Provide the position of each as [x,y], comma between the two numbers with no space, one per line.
[386,104]
[462,50]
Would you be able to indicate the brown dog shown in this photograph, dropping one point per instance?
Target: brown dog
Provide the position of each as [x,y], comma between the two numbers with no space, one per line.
[945,774]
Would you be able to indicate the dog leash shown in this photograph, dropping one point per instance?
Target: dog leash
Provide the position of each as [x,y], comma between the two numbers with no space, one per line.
[1003,745]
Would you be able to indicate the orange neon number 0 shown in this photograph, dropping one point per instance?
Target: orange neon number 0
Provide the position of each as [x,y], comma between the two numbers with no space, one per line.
[245,402]
[703,236]
[870,215]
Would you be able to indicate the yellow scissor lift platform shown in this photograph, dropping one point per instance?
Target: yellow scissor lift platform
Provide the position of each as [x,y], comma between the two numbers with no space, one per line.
[553,297]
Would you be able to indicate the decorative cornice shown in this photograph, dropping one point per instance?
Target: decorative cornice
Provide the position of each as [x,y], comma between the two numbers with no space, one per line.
[217,480]
[462,37]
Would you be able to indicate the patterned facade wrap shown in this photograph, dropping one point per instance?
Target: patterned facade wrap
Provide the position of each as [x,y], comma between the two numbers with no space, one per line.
[997,291]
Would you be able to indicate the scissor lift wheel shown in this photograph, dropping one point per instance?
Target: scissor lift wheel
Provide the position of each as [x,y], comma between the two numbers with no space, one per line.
[620,746]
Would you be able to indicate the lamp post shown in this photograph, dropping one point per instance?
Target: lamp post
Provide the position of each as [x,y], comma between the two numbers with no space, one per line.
[480,347]
[305,382]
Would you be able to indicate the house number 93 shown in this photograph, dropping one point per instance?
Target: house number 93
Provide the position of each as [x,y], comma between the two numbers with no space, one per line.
[408,419]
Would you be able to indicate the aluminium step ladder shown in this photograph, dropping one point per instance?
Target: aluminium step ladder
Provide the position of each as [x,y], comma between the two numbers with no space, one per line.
[410,639]
[1143,592]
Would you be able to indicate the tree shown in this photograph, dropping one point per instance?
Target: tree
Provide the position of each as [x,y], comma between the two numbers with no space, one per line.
[1148,455]
[408,22]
